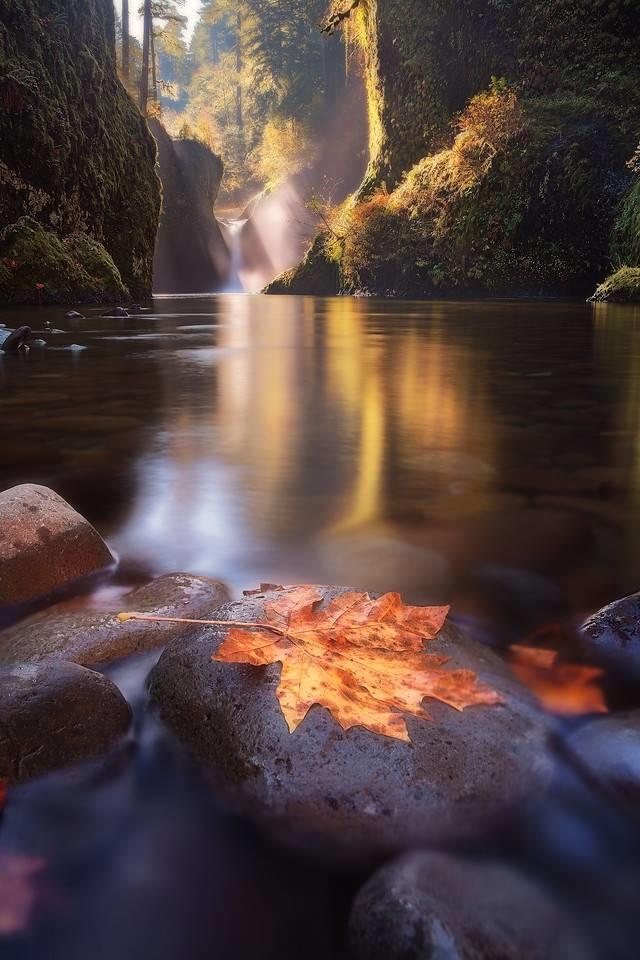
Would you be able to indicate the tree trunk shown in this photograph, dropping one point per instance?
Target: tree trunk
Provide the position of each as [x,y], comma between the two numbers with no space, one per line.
[146,47]
[154,67]
[126,60]
[239,108]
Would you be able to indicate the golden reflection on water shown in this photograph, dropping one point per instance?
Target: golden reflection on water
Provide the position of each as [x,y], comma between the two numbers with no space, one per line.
[410,446]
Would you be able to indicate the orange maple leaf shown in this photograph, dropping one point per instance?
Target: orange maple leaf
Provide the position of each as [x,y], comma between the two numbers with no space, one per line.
[362,659]
[564,688]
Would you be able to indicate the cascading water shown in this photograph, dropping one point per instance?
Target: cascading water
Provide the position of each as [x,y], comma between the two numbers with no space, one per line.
[232,232]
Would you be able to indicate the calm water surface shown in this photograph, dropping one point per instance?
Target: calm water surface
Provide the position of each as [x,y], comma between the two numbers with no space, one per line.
[485,454]
[481,454]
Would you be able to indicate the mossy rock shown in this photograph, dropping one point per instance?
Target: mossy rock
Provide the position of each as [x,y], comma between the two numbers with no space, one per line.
[75,153]
[626,232]
[623,286]
[317,275]
[39,265]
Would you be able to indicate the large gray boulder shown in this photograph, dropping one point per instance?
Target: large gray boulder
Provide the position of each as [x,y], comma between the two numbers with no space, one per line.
[44,545]
[352,796]
[91,638]
[430,906]
[53,714]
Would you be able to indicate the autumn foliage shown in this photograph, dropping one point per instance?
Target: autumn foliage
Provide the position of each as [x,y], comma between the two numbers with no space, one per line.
[362,659]
[562,688]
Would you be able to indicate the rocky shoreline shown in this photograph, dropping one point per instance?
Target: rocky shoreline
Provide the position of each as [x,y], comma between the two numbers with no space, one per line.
[352,799]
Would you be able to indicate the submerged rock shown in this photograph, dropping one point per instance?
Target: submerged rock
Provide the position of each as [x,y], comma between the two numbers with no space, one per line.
[44,545]
[89,638]
[352,796]
[74,315]
[116,312]
[430,906]
[53,714]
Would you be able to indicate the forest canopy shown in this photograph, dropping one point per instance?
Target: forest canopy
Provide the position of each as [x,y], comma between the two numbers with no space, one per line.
[257,81]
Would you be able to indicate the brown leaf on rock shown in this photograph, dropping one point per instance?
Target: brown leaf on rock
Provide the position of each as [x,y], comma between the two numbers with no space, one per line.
[362,659]
[563,688]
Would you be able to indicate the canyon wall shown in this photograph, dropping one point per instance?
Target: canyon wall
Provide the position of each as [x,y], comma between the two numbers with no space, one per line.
[79,195]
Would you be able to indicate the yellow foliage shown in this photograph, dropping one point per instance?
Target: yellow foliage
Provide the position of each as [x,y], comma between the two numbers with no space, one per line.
[285,150]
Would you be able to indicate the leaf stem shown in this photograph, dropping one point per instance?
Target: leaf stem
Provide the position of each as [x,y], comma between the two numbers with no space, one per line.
[151,618]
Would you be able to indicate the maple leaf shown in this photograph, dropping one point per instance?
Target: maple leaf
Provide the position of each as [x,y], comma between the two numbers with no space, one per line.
[563,688]
[361,658]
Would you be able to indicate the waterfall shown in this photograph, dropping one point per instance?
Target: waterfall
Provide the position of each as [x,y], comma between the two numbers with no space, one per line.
[232,232]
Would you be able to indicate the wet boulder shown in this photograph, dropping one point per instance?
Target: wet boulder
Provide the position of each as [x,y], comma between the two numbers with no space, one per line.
[352,796]
[609,747]
[89,637]
[610,639]
[44,545]
[74,315]
[116,312]
[17,340]
[53,714]
[430,906]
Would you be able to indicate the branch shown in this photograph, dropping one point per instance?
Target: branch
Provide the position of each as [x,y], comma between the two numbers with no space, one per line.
[331,23]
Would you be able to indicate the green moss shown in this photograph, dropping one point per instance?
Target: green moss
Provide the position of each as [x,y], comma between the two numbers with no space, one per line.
[626,234]
[39,265]
[521,203]
[621,287]
[318,274]
[75,154]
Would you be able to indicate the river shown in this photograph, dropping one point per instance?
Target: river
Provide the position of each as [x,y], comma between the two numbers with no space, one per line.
[479,454]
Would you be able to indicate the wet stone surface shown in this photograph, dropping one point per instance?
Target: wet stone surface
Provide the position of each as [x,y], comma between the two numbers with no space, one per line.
[430,906]
[611,639]
[44,545]
[53,714]
[609,747]
[353,796]
[90,638]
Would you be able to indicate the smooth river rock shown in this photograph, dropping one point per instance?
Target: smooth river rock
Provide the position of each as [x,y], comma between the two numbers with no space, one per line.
[610,748]
[44,545]
[430,906]
[54,713]
[352,796]
[91,638]
[610,639]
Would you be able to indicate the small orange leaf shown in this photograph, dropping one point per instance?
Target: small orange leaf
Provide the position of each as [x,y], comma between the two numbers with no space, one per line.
[562,688]
[362,659]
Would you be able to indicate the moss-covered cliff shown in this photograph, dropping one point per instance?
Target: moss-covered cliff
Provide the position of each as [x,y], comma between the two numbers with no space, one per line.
[75,154]
[480,186]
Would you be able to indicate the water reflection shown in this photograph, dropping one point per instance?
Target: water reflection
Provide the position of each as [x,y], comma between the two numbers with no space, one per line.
[480,453]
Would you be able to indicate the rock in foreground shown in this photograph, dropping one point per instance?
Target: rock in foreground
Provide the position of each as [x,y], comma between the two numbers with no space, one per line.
[44,545]
[89,638]
[352,796]
[610,639]
[610,749]
[53,714]
[430,906]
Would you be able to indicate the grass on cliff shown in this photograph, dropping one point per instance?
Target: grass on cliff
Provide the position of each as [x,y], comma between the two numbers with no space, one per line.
[521,201]
[623,286]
